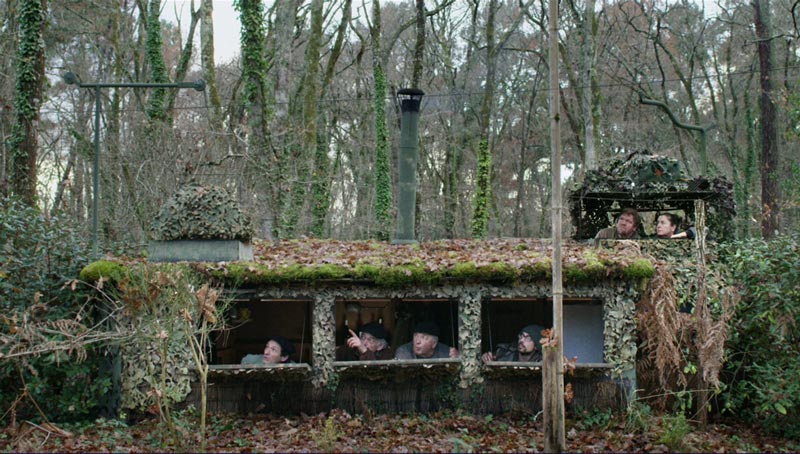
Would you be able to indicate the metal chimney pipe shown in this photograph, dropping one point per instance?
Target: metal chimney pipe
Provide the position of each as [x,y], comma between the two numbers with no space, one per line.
[410,99]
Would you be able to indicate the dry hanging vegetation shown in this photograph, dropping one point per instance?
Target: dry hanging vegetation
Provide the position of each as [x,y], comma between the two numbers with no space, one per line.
[687,347]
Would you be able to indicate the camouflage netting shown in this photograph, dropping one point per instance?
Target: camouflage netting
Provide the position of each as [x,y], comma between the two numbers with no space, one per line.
[201,213]
[648,182]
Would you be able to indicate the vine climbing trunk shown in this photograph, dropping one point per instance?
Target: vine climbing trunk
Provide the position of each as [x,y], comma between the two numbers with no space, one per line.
[157,109]
[483,181]
[383,177]
[30,77]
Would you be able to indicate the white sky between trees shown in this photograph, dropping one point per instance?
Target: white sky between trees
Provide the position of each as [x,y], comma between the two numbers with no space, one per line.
[226,25]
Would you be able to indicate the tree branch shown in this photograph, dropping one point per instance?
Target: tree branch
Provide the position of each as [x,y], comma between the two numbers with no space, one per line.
[671,115]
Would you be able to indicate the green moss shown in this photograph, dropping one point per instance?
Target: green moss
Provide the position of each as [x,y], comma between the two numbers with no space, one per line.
[404,275]
[465,271]
[591,269]
[639,269]
[538,271]
[102,268]
[498,272]
[366,271]
[326,271]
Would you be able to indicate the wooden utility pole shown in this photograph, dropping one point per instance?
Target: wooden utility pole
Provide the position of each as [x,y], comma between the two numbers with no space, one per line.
[553,373]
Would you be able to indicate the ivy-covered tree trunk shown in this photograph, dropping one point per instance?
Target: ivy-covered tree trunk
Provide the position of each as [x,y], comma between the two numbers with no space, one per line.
[157,108]
[29,79]
[262,160]
[483,180]
[383,177]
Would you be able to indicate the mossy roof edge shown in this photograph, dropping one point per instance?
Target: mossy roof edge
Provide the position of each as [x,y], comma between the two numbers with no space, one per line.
[445,262]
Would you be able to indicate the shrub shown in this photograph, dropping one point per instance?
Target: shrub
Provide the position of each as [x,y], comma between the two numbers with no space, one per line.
[764,344]
[38,257]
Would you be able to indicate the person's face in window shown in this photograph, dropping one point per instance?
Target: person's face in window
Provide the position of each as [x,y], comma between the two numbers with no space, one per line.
[372,343]
[525,344]
[626,226]
[424,344]
[272,353]
[664,227]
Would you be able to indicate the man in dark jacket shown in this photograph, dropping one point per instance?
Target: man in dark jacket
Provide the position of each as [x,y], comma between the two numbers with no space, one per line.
[627,227]
[371,343]
[528,347]
[425,344]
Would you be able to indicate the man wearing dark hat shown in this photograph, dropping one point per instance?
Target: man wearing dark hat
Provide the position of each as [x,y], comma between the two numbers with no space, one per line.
[528,347]
[277,351]
[371,343]
[425,344]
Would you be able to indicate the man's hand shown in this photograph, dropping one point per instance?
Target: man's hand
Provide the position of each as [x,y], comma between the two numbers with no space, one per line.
[355,342]
[453,352]
[488,356]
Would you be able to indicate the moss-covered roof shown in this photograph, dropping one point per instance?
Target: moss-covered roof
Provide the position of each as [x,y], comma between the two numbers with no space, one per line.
[500,261]
[497,261]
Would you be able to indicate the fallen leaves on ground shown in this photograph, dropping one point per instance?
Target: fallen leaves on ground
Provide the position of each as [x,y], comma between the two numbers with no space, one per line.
[339,431]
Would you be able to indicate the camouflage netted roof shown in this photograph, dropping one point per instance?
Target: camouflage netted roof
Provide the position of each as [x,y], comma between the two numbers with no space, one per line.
[639,171]
[198,212]
[648,182]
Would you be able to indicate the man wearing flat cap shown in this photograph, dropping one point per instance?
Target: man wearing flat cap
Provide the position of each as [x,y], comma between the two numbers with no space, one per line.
[425,344]
[276,351]
[528,347]
[371,343]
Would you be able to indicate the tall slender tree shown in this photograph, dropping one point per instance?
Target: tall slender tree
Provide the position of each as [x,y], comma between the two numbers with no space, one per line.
[29,80]
[157,109]
[483,181]
[769,133]
[207,61]
[383,177]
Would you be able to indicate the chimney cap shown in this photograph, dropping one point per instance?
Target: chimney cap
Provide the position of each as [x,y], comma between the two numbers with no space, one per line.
[410,92]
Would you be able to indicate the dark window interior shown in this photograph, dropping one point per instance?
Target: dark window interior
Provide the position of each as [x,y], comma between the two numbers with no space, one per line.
[502,320]
[398,317]
[251,323]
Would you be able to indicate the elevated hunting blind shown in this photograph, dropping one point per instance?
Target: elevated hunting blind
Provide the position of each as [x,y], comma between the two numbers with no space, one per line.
[648,183]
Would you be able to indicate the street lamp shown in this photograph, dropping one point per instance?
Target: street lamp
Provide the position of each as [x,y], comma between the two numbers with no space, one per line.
[71,78]
[410,99]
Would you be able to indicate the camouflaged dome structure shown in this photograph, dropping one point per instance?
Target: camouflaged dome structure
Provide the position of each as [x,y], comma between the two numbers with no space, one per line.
[648,183]
[198,212]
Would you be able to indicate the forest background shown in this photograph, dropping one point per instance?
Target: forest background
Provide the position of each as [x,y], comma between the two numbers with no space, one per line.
[303,129]
[303,126]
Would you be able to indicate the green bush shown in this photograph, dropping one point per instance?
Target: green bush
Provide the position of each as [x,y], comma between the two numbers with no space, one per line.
[38,257]
[763,350]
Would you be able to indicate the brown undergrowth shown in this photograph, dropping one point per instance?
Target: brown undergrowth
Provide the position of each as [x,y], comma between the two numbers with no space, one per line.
[683,350]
